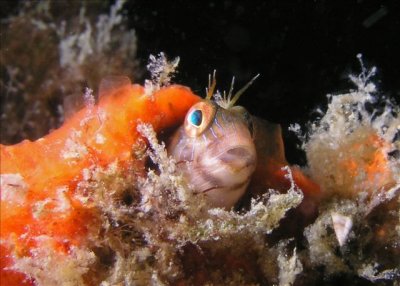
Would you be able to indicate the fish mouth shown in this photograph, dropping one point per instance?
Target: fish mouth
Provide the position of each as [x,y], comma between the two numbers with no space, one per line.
[238,157]
[208,190]
[236,186]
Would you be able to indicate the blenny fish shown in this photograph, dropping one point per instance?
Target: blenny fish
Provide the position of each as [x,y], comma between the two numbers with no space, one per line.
[222,150]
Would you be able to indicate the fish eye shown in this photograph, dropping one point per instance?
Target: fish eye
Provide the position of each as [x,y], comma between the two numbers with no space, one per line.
[195,117]
[199,117]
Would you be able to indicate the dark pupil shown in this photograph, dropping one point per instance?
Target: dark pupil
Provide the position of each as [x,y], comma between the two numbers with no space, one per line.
[196,117]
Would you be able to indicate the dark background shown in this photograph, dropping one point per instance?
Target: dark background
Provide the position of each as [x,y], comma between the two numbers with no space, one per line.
[302,49]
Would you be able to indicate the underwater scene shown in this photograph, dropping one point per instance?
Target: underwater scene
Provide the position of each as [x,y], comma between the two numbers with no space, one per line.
[203,143]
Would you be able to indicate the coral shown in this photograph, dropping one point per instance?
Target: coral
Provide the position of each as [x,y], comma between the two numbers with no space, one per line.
[354,142]
[351,153]
[372,240]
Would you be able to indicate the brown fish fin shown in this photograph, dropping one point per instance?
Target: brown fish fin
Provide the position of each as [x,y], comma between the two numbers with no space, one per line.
[111,83]
[270,157]
[270,160]
[268,141]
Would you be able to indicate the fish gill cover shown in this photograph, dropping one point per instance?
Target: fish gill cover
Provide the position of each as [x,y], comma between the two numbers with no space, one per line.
[153,230]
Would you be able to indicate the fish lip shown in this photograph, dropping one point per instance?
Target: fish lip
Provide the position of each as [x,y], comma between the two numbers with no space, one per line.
[240,152]
[208,190]
[239,185]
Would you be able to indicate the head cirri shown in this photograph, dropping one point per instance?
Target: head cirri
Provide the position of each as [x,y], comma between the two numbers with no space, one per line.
[214,148]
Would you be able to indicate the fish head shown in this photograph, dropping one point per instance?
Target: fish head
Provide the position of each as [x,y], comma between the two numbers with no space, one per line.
[215,151]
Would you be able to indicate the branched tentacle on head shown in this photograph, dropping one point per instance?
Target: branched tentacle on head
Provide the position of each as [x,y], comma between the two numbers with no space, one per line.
[225,101]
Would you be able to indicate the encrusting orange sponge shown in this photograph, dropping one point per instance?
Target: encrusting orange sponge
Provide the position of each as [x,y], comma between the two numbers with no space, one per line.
[39,178]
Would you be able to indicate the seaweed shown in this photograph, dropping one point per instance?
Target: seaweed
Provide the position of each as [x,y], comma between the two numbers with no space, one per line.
[348,153]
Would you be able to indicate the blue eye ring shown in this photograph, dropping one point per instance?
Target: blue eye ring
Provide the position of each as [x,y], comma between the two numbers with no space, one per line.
[196,117]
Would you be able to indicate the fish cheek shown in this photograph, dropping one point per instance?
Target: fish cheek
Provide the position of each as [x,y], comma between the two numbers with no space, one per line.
[179,146]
